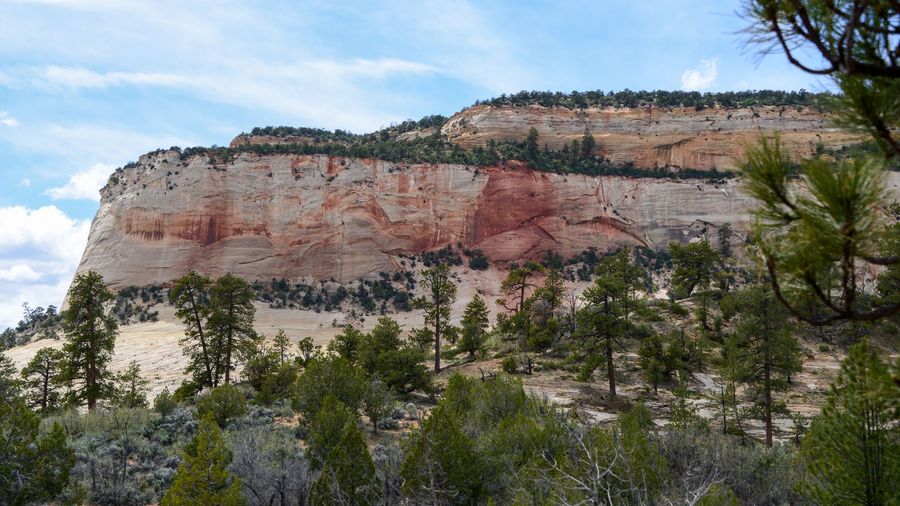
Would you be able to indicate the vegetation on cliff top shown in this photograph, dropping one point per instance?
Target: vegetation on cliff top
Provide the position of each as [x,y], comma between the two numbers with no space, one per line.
[664,98]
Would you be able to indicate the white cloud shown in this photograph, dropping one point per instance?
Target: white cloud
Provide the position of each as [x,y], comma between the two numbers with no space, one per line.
[85,184]
[25,183]
[7,120]
[19,273]
[39,251]
[79,77]
[702,77]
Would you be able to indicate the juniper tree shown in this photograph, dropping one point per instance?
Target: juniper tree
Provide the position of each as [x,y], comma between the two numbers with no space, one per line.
[348,474]
[90,339]
[203,477]
[42,380]
[34,464]
[474,326]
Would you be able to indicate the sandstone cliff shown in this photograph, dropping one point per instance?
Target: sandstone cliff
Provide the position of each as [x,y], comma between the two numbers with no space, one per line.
[653,137]
[324,217]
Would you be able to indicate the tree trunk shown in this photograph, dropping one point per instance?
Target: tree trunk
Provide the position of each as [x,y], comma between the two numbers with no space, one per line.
[610,372]
[437,339]
[206,361]
[229,344]
[44,391]
[767,387]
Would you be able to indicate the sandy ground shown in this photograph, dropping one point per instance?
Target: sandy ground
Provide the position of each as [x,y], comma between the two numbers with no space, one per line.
[154,346]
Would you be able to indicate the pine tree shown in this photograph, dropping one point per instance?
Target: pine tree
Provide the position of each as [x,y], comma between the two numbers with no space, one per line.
[203,478]
[190,296]
[231,323]
[765,352]
[42,380]
[517,282]
[852,449]
[475,322]
[10,384]
[90,339]
[131,388]
[653,360]
[281,344]
[441,295]
[603,322]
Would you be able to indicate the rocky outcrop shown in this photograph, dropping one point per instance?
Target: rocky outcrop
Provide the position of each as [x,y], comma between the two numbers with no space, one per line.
[321,217]
[650,137]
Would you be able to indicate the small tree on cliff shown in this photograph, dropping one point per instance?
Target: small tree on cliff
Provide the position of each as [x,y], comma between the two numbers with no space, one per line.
[90,339]
[441,295]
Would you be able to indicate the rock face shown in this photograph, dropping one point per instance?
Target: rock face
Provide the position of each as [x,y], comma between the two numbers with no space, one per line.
[712,138]
[321,217]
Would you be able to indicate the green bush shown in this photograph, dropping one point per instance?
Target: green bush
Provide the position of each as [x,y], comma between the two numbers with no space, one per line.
[223,402]
[510,365]
[325,376]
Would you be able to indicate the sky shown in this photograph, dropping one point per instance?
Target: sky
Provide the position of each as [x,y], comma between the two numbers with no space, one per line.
[89,85]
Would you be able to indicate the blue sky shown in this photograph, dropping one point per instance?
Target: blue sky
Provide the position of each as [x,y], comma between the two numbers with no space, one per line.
[89,85]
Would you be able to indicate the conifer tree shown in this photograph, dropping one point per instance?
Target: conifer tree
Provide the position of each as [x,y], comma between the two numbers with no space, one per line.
[131,387]
[852,449]
[764,351]
[231,323]
[441,293]
[90,339]
[348,474]
[327,429]
[281,344]
[475,322]
[190,296]
[603,322]
[203,478]
[42,380]
[10,384]
[653,360]
[442,464]
[34,467]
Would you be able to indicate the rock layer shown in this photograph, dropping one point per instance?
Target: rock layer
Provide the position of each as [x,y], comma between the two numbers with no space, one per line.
[321,217]
[712,138]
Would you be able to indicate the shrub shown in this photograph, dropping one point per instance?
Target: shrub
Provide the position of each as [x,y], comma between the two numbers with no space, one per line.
[510,365]
[223,403]
[326,376]
[164,403]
